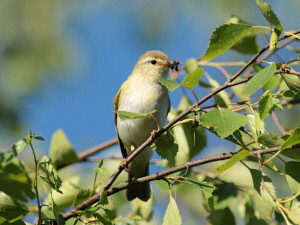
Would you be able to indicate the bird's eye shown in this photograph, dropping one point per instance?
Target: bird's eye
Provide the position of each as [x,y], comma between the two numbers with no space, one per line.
[153,61]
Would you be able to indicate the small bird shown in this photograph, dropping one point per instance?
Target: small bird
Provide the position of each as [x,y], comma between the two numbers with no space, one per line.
[142,93]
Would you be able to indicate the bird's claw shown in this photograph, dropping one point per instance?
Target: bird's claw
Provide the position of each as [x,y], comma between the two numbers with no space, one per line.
[153,133]
[125,167]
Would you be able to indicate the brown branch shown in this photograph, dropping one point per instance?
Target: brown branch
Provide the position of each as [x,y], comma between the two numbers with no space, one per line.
[150,140]
[162,174]
[91,151]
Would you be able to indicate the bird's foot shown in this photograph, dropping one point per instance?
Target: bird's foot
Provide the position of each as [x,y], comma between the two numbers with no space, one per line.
[125,167]
[153,133]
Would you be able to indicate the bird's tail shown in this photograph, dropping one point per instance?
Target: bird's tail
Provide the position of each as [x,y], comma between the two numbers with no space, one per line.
[141,191]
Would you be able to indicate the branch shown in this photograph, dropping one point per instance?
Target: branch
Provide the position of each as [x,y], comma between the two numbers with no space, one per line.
[162,174]
[151,139]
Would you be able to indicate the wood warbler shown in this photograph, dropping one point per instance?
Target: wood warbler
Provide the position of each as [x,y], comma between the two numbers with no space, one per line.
[142,93]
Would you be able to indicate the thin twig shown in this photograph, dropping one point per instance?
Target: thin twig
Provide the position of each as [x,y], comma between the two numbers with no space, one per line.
[278,124]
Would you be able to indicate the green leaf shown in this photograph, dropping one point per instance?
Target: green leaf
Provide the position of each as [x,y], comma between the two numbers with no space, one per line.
[233,160]
[19,146]
[57,214]
[61,151]
[247,44]
[274,39]
[262,198]
[166,148]
[292,81]
[292,174]
[270,140]
[268,13]
[103,198]
[267,104]
[224,195]
[15,181]
[189,137]
[259,79]
[124,115]
[292,154]
[142,209]
[11,208]
[255,124]
[172,215]
[170,84]
[49,174]
[223,38]
[245,139]
[100,163]
[222,216]
[192,78]
[191,65]
[224,121]
[292,140]
[40,138]
[102,172]
[82,195]
[272,83]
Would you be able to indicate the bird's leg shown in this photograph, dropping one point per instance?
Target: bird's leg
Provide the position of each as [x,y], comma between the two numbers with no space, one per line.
[153,133]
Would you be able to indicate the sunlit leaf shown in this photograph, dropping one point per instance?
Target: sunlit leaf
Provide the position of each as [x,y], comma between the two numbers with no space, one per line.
[223,38]
[191,65]
[172,215]
[82,195]
[292,81]
[259,79]
[170,84]
[142,209]
[268,13]
[292,140]
[103,198]
[61,150]
[233,160]
[223,120]
[48,173]
[192,78]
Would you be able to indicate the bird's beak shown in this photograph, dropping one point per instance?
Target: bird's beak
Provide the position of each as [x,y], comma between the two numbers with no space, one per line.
[167,64]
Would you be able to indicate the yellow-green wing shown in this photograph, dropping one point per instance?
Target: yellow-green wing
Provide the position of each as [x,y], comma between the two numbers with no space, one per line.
[116,102]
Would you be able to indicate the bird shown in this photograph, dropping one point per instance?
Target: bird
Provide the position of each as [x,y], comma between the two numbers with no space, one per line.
[142,93]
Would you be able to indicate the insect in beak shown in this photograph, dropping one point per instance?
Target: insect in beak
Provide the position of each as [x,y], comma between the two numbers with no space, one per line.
[174,65]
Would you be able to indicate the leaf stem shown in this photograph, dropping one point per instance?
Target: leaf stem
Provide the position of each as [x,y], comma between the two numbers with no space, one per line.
[35,182]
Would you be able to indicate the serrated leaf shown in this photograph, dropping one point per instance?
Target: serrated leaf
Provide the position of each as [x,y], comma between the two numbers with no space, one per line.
[170,84]
[224,121]
[259,79]
[103,198]
[142,209]
[166,148]
[82,195]
[11,208]
[270,140]
[172,215]
[223,38]
[192,78]
[19,146]
[245,139]
[292,81]
[255,124]
[233,160]
[48,173]
[274,39]
[61,150]
[268,13]
[267,104]
[292,169]
[191,65]
[292,140]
